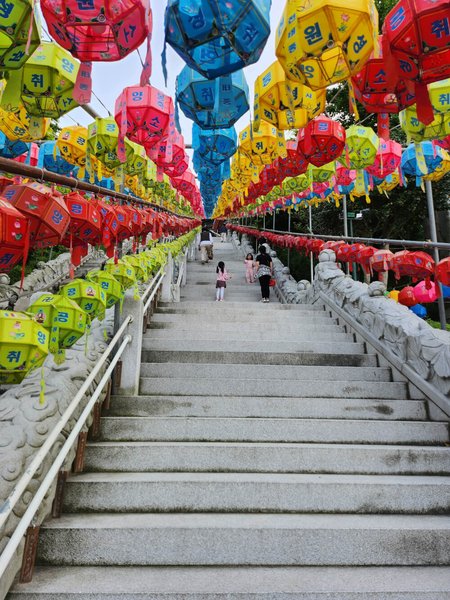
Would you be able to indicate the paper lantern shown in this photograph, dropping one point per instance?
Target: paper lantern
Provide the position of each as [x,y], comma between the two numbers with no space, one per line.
[293,164]
[214,146]
[214,104]
[50,159]
[263,146]
[417,131]
[421,159]
[17,124]
[426,294]
[323,173]
[48,80]
[443,271]
[109,284]
[30,157]
[284,103]
[170,155]
[23,346]
[344,176]
[123,272]
[322,140]
[296,184]
[216,37]
[97,30]
[416,44]
[387,159]
[364,258]
[393,295]
[419,310]
[139,266]
[18,29]
[85,221]
[407,296]
[444,143]
[418,265]
[327,41]
[13,236]
[12,148]
[45,210]
[65,321]
[381,261]
[72,143]
[143,114]
[362,145]
[102,141]
[88,295]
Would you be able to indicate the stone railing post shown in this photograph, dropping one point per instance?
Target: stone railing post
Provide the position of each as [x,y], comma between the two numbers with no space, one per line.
[166,291]
[131,358]
[184,266]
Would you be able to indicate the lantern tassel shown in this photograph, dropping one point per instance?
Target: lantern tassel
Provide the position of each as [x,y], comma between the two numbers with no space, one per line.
[82,91]
[423,104]
[30,28]
[164,62]
[147,67]
[26,250]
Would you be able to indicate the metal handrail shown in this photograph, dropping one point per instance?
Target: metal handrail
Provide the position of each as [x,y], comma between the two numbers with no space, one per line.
[409,243]
[8,506]
[152,283]
[29,514]
[161,274]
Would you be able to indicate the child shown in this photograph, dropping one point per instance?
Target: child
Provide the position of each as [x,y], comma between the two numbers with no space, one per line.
[221,283]
[249,268]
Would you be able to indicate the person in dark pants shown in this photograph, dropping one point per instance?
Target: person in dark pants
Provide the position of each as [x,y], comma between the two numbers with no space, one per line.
[264,269]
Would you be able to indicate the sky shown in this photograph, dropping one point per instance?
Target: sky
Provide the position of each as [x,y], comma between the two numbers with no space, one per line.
[110,78]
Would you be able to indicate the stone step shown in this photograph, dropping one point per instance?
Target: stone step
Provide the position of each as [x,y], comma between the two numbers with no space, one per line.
[256,492]
[200,308]
[300,408]
[245,539]
[266,358]
[178,386]
[279,319]
[274,345]
[273,430]
[267,458]
[236,583]
[237,372]
[249,335]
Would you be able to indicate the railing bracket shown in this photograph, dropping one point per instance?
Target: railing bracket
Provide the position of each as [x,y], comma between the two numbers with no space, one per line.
[29,554]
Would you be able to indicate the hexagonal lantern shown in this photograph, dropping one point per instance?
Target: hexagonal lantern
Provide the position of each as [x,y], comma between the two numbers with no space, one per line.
[18,29]
[88,295]
[212,104]
[109,284]
[13,236]
[23,346]
[216,37]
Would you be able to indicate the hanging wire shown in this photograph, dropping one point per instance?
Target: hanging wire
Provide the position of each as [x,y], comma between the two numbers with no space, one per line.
[107,110]
[140,58]
[365,119]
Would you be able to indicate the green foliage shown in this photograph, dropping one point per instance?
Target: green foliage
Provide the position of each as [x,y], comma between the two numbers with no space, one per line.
[35,256]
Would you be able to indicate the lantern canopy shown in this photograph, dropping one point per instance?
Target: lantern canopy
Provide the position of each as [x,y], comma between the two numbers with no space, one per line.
[285,104]
[416,41]
[23,346]
[17,124]
[327,41]
[18,28]
[45,210]
[212,104]
[98,30]
[216,37]
[48,80]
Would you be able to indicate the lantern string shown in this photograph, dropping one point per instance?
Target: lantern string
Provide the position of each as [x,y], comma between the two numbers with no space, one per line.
[107,110]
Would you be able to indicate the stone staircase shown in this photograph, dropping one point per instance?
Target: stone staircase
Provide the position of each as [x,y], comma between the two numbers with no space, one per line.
[268,456]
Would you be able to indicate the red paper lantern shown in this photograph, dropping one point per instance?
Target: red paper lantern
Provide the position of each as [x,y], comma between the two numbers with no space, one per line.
[381,261]
[416,46]
[45,209]
[143,114]
[85,219]
[407,297]
[172,157]
[294,164]
[322,141]
[443,271]
[98,30]
[345,176]
[364,258]
[445,143]
[13,236]
[418,265]
[387,159]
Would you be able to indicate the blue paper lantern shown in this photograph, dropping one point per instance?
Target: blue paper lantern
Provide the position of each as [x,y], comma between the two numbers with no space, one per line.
[212,104]
[216,37]
[421,159]
[214,146]
[445,291]
[50,159]
[419,310]
[12,148]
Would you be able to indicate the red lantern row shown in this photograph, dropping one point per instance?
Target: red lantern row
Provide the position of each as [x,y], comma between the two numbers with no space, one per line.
[33,215]
[418,265]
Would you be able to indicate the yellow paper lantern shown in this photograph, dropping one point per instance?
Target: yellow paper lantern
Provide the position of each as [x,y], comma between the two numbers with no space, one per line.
[18,28]
[19,125]
[264,146]
[72,144]
[284,103]
[326,41]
